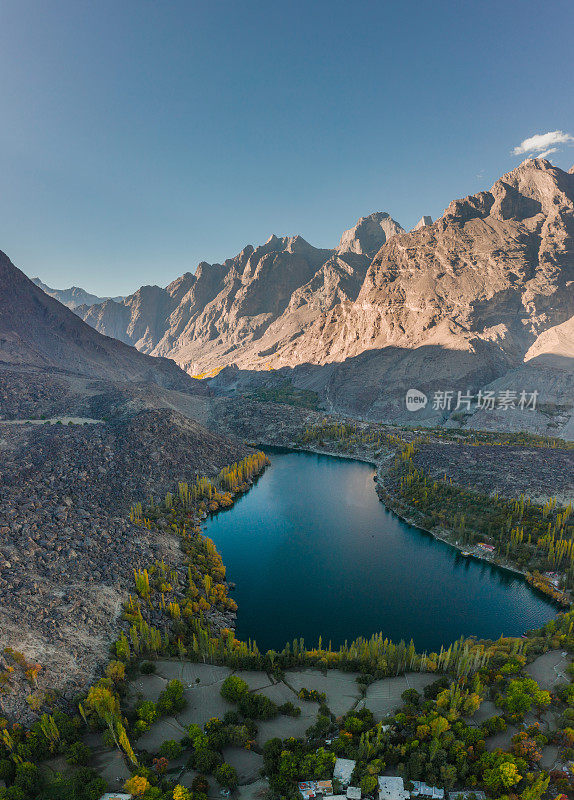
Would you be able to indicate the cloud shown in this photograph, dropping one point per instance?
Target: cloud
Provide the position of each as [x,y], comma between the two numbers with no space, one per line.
[542,144]
[547,152]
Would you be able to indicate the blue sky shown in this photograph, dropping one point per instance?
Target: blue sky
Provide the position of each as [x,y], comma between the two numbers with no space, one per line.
[140,137]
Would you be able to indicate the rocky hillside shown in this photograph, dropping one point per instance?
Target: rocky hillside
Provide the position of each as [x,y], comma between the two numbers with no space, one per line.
[72,297]
[67,547]
[480,299]
[39,333]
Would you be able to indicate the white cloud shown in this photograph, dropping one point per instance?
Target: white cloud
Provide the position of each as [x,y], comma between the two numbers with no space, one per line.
[542,144]
[547,152]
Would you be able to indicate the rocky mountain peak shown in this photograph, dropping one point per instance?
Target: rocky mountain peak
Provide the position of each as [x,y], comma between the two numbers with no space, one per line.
[369,234]
[423,222]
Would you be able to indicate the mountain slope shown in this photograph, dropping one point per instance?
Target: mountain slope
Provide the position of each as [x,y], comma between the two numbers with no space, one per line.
[497,266]
[38,332]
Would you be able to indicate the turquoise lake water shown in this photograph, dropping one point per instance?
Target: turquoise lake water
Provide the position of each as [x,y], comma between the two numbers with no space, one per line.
[313,552]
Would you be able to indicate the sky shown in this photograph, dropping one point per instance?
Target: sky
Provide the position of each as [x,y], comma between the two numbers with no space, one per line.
[138,138]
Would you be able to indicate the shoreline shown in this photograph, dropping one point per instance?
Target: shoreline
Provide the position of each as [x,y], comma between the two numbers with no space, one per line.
[442,535]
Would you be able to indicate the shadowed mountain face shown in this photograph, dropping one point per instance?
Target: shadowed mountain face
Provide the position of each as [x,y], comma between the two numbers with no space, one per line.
[39,333]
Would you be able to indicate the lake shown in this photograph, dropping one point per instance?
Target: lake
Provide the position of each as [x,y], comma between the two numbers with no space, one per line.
[313,552]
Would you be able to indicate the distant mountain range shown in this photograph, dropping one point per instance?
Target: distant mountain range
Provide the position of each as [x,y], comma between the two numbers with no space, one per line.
[482,298]
[74,296]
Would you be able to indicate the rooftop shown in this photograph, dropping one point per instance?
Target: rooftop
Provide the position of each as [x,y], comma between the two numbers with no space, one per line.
[392,788]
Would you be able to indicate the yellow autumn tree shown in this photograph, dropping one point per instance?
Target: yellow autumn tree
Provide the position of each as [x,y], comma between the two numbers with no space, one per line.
[137,785]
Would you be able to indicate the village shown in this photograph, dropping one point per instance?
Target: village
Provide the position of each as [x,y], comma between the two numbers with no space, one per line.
[389,787]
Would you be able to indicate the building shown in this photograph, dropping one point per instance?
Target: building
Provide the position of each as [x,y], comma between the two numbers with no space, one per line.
[353,793]
[421,789]
[467,794]
[391,788]
[486,548]
[310,789]
[343,770]
[553,578]
[116,796]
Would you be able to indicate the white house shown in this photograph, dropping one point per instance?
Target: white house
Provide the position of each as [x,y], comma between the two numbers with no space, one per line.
[116,796]
[466,794]
[421,789]
[391,788]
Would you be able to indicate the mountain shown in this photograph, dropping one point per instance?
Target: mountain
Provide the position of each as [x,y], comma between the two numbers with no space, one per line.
[459,304]
[423,222]
[244,309]
[39,333]
[72,297]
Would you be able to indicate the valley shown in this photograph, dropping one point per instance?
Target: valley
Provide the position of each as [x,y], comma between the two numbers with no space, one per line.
[128,601]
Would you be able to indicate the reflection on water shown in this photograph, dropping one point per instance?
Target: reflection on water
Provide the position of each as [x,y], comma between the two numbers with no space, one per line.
[314,553]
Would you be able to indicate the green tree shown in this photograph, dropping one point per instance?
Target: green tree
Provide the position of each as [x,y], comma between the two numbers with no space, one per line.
[234,688]
[170,749]
[226,775]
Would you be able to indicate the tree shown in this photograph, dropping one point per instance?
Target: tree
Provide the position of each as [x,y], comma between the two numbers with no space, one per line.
[226,775]
[172,699]
[147,711]
[137,785]
[86,784]
[78,753]
[181,793]
[171,749]
[28,777]
[522,694]
[116,671]
[234,688]
[503,775]
[439,725]
[368,784]
[206,760]
[537,789]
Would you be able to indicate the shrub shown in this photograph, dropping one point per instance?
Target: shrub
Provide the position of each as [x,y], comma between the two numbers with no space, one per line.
[257,706]
[290,710]
[147,667]
[312,694]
